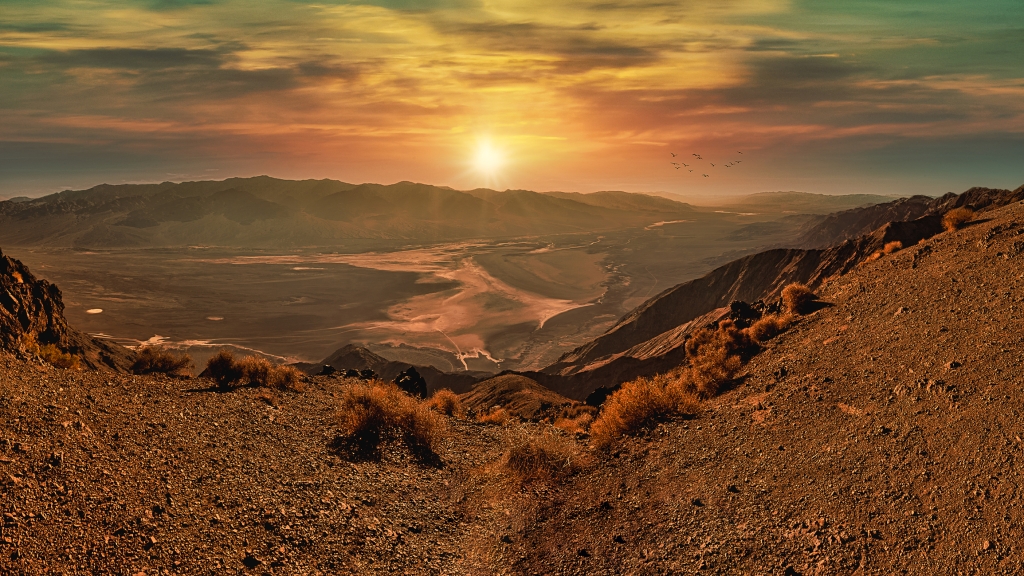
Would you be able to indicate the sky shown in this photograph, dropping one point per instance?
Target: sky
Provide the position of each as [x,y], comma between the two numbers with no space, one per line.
[851,96]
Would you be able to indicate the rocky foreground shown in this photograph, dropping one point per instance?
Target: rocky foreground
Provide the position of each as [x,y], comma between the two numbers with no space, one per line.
[881,434]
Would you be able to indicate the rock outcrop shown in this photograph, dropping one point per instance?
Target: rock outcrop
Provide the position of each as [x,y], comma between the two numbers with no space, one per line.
[32,315]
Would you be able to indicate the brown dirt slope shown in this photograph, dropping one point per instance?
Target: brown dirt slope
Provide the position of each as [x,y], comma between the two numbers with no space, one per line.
[881,435]
[759,276]
[104,473]
[518,395]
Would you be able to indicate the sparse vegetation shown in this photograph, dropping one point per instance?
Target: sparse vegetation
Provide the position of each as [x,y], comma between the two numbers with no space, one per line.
[716,355]
[797,298]
[889,248]
[50,353]
[375,412]
[251,371]
[768,327]
[956,218]
[447,402]
[59,358]
[545,456]
[496,415]
[574,419]
[642,403]
[151,360]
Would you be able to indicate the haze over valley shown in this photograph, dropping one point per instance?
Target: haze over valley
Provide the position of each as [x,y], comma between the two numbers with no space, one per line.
[479,280]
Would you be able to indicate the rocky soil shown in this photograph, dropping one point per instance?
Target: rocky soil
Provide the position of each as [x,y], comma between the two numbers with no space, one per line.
[112,474]
[881,434]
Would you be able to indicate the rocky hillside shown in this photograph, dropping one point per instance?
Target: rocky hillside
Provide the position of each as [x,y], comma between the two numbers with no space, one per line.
[848,224]
[881,435]
[878,435]
[351,357]
[648,339]
[32,321]
[268,212]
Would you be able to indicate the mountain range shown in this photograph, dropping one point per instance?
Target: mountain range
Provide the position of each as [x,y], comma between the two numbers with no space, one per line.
[268,212]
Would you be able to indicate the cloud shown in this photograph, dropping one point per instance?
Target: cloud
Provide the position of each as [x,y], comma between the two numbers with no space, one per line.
[134,58]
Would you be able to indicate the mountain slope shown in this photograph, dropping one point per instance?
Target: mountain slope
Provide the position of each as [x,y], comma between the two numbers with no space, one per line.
[848,224]
[661,323]
[267,212]
[880,435]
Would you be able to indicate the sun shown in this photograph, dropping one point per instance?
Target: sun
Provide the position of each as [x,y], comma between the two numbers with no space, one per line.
[488,160]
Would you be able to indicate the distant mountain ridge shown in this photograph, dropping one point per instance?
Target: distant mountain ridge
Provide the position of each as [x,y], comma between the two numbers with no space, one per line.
[264,211]
[806,202]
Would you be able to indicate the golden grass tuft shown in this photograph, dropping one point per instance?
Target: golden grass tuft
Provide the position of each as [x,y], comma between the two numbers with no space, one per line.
[575,419]
[496,415]
[374,412]
[797,298]
[956,218]
[541,457]
[890,247]
[642,403]
[448,403]
[252,371]
[151,360]
[768,327]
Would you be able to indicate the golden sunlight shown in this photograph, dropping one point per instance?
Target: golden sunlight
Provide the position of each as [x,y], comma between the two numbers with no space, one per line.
[488,159]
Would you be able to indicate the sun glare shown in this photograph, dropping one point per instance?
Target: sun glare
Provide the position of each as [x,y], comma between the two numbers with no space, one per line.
[488,160]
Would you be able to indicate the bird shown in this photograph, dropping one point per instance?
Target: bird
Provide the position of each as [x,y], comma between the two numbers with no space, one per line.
[705,175]
[678,167]
[691,170]
[712,164]
[673,154]
[685,164]
[697,156]
[738,152]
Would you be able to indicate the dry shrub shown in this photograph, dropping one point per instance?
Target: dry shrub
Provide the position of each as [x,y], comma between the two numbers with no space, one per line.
[375,412]
[496,415]
[151,360]
[223,369]
[575,425]
[956,218]
[716,355]
[252,371]
[797,298]
[543,457]
[447,402]
[573,418]
[890,247]
[641,403]
[768,327]
[50,353]
[59,358]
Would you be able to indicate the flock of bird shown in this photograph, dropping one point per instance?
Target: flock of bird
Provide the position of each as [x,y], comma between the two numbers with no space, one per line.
[681,165]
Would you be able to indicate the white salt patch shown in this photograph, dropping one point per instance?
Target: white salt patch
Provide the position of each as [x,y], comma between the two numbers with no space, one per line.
[94,311]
